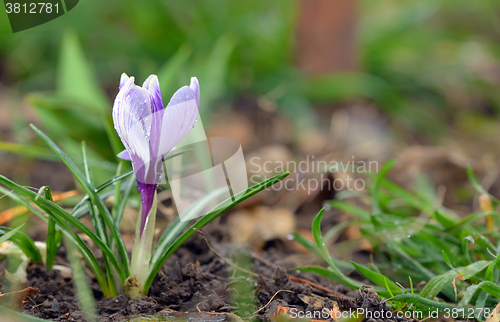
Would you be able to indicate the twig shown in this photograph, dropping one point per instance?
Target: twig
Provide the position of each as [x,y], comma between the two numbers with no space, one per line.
[264,261]
[221,257]
[319,287]
[272,298]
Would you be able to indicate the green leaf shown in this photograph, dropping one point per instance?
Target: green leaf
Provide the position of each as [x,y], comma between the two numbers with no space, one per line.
[82,287]
[21,240]
[330,274]
[487,286]
[28,151]
[351,209]
[424,302]
[94,197]
[176,227]
[10,315]
[376,210]
[10,234]
[378,279]
[478,187]
[64,219]
[203,221]
[75,77]
[51,239]
[447,261]
[318,238]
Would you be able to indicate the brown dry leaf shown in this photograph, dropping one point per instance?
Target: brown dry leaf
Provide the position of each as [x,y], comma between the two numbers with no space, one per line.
[485,204]
[459,277]
[283,311]
[495,314]
[314,301]
[260,224]
[18,296]
[7,215]
[353,232]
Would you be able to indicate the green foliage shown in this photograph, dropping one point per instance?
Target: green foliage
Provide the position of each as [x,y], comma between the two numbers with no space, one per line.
[455,257]
[107,227]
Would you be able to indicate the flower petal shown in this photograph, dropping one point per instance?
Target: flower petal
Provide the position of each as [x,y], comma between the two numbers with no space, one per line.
[131,116]
[153,87]
[195,86]
[123,79]
[178,118]
[124,155]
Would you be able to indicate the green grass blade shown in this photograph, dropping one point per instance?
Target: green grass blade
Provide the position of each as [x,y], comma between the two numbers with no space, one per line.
[309,245]
[203,221]
[376,210]
[330,274]
[64,219]
[9,234]
[50,240]
[176,227]
[478,187]
[437,284]
[97,221]
[82,287]
[28,151]
[117,195]
[487,286]
[21,240]
[123,201]
[115,233]
[351,209]
[426,303]
[378,279]
[318,238]
[101,188]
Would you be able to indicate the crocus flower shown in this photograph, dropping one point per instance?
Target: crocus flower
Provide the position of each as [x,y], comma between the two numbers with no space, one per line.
[149,131]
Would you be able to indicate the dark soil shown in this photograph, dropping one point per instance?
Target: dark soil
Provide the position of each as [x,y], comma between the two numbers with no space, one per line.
[195,279]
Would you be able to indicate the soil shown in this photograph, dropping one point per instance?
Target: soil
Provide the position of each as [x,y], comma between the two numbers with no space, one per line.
[195,279]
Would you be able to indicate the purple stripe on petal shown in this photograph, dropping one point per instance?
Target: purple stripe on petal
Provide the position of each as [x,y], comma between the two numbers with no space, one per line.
[153,87]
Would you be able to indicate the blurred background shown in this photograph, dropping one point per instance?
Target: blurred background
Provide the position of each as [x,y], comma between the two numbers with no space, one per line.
[415,80]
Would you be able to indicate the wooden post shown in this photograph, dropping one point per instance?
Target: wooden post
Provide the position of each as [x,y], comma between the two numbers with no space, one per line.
[326,36]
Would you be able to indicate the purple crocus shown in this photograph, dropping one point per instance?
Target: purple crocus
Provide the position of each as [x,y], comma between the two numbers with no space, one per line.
[149,131]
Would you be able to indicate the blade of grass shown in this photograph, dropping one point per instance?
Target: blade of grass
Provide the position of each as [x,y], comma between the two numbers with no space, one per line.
[115,233]
[82,287]
[312,247]
[64,219]
[478,187]
[50,240]
[487,286]
[376,210]
[21,240]
[176,227]
[318,238]
[427,303]
[203,221]
[10,234]
[330,274]
[28,151]
[123,202]
[379,279]
[351,209]
[97,221]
